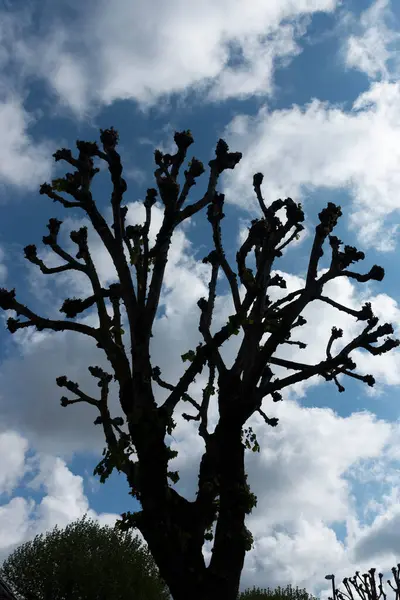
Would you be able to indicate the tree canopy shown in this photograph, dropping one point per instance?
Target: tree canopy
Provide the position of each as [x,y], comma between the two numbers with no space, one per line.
[83,561]
[174,528]
[278,593]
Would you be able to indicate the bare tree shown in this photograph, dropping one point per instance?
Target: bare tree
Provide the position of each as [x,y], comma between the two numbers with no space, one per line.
[175,528]
[365,586]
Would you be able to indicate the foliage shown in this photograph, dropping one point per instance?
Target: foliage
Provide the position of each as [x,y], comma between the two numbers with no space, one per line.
[85,561]
[173,527]
[279,593]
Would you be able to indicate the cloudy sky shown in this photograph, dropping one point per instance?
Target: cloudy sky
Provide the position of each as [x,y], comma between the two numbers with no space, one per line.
[309,92]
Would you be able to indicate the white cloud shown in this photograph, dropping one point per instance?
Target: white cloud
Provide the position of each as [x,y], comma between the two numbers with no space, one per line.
[321,317]
[301,478]
[63,499]
[380,539]
[163,49]
[322,146]
[31,404]
[374,49]
[12,470]
[3,268]
[24,163]
[13,524]
[305,479]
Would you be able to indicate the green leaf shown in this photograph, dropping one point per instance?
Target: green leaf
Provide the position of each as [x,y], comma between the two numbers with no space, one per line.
[190,356]
[90,553]
[174,476]
[59,185]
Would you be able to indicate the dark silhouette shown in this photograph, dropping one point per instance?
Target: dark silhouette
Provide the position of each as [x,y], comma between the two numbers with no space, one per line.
[366,586]
[175,528]
[279,593]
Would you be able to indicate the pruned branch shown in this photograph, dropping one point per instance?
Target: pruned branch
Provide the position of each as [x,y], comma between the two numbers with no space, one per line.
[9,302]
[207,308]
[78,185]
[223,160]
[51,240]
[361,315]
[341,363]
[73,387]
[202,414]
[215,215]
[365,586]
[156,374]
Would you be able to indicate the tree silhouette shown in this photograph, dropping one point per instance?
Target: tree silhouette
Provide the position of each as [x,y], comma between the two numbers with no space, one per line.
[86,561]
[365,586]
[279,593]
[175,528]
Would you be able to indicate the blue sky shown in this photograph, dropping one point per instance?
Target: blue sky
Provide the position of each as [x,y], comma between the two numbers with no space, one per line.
[310,93]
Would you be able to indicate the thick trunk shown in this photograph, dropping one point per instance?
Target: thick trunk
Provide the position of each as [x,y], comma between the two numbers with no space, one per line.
[229,543]
[174,528]
[175,542]
[175,535]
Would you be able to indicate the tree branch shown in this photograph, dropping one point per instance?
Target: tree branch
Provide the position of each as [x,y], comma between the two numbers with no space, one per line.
[207,308]
[73,387]
[78,185]
[215,215]
[224,160]
[8,302]
[156,375]
[338,364]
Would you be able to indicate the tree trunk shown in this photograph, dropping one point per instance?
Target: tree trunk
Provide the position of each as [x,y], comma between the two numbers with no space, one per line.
[230,534]
[174,528]
[175,535]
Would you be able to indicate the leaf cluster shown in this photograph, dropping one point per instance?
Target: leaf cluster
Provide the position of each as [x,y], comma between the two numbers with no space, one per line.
[84,560]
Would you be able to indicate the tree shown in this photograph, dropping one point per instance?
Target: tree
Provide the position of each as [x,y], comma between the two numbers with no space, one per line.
[279,593]
[173,527]
[84,561]
[366,586]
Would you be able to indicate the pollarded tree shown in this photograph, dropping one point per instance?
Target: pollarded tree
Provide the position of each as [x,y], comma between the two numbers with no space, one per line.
[366,586]
[83,560]
[175,528]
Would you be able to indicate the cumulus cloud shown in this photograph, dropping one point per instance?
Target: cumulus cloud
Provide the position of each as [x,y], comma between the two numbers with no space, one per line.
[302,478]
[14,447]
[322,146]
[374,48]
[229,49]
[306,485]
[62,496]
[379,539]
[24,163]
[306,479]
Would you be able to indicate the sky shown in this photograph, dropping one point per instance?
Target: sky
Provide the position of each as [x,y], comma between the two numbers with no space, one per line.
[309,92]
